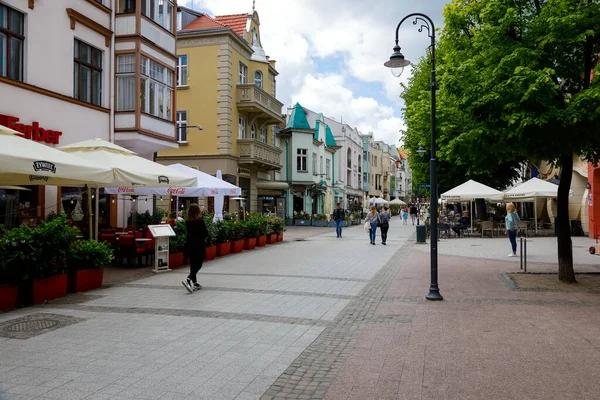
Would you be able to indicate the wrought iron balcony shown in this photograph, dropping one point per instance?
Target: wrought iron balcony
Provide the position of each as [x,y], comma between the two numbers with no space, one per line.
[254,152]
[258,103]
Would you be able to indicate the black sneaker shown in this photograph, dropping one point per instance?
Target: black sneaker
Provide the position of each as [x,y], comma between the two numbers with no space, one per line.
[187,284]
[197,286]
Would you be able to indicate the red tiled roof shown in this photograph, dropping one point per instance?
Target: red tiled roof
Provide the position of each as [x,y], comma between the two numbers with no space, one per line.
[237,22]
[204,22]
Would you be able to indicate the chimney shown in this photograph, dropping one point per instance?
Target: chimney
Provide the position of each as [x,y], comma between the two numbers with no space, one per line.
[272,62]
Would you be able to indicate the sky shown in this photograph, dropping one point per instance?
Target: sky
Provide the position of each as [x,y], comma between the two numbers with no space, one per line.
[330,54]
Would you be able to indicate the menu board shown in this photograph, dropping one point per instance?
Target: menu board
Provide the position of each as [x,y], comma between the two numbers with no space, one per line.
[161,230]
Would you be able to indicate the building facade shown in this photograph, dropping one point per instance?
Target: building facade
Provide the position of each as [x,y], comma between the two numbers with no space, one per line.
[376,188]
[227,85]
[403,177]
[308,163]
[72,70]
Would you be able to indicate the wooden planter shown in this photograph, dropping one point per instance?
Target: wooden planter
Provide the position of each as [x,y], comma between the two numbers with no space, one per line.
[49,288]
[280,237]
[211,252]
[320,222]
[237,246]
[8,297]
[223,249]
[176,260]
[249,243]
[262,241]
[302,222]
[272,238]
[84,280]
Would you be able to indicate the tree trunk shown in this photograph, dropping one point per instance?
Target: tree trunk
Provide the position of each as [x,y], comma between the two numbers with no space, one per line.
[565,246]
[481,207]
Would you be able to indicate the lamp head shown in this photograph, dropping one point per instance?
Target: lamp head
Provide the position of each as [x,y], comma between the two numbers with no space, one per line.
[397,62]
[421,151]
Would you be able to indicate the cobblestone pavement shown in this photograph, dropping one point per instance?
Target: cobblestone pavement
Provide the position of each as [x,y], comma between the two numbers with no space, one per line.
[150,339]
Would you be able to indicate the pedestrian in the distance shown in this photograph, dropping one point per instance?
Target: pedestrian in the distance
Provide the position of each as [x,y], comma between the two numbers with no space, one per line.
[405,216]
[372,219]
[512,223]
[384,223]
[413,213]
[338,217]
[195,246]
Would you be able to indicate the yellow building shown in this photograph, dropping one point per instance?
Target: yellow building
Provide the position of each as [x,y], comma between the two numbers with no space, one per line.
[227,85]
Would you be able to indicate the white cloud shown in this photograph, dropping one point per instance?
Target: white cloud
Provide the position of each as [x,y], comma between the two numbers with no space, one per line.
[301,34]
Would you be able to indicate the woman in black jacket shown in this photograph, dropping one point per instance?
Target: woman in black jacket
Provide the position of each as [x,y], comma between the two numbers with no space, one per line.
[195,246]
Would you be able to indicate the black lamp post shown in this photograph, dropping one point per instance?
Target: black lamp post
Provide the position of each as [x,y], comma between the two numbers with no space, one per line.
[397,62]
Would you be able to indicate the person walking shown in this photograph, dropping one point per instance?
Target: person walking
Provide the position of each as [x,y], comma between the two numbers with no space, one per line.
[405,216]
[413,213]
[384,223]
[512,222]
[338,217]
[373,219]
[195,246]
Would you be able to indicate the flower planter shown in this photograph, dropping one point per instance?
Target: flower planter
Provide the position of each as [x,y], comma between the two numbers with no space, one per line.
[237,246]
[346,223]
[211,252]
[249,243]
[320,222]
[302,222]
[175,260]
[49,288]
[271,238]
[84,280]
[289,221]
[280,237]
[8,297]
[262,241]
[223,249]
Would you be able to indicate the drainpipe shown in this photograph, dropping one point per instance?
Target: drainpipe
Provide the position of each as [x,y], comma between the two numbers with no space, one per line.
[287,176]
[111,76]
[333,180]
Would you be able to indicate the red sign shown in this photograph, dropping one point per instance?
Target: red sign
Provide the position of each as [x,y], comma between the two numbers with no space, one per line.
[126,190]
[176,191]
[32,132]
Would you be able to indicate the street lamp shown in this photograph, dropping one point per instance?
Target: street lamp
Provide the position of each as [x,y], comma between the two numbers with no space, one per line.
[397,62]
[421,151]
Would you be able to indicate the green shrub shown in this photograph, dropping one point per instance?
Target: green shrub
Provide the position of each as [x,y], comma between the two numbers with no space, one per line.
[223,229]
[177,242]
[17,255]
[51,242]
[277,224]
[211,239]
[237,230]
[89,254]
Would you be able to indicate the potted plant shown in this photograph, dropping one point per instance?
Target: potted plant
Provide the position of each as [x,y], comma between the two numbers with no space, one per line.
[211,239]
[319,220]
[302,218]
[223,229]
[237,236]
[278,228]
[251,232]
[16,259]
[262,230]
[177,245]
[86,259]
[346,221]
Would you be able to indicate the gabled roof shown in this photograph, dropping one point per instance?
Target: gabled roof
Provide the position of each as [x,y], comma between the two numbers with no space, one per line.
[237,22]
[203,22]
[329,139]
[318,126]
[297,119]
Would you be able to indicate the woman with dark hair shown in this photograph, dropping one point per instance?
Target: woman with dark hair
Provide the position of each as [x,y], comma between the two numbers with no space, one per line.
[195,246]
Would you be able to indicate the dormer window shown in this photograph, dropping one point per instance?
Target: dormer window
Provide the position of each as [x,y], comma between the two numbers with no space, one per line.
[258,79]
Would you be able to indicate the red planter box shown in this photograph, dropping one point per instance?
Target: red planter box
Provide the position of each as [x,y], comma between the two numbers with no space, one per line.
[176,260]
[84,280]
[223,249]
[8,298]
[249,243]
[237,246]
[50,288]
[211,252]
[272,238]
[280,237]
[262,241]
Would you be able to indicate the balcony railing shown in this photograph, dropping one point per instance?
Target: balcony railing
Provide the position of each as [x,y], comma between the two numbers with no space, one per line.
[254,152]
[253,98]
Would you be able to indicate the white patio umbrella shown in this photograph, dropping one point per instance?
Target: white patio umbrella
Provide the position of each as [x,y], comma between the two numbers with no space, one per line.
[378,201]
[398,201]
[219,200]
[26,162]
[471,190]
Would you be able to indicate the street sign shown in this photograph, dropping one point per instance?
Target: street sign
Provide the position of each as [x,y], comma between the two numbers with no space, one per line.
[423,185]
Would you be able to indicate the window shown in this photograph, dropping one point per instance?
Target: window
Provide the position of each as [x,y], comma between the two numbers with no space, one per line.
[159,11]
[126,82]
[243,74]
[11,43]
[301,160]
[263,135]
[314,164]
[181,126]
[258,79]
[321,166]
[366,177]
[182,71]
[87,73]
[349,159]
[126,7]
[328,170]
[156,91]
[253,132]
[241,128]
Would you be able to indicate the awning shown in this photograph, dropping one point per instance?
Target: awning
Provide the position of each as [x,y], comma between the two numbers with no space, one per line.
[272,185]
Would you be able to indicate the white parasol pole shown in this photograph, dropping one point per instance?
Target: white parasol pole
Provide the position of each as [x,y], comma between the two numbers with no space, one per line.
[90,225]
[535,214]
[97,212]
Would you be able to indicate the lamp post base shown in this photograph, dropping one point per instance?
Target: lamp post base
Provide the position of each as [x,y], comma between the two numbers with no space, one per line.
[434,295]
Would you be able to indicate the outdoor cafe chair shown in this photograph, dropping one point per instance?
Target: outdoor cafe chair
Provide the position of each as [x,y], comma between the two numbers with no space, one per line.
[487,226]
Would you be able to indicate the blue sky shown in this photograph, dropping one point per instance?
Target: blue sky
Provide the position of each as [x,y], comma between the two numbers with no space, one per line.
[330,54]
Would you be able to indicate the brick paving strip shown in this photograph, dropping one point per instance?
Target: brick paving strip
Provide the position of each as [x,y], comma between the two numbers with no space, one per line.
[311,374]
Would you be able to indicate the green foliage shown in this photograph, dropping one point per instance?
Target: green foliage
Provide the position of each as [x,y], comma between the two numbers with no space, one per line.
[277,224]
[251,227]
[224,231]
[237,230]
[319,217]
[89,254]
[145,218]
[17,255]
[177,242]
[51,216]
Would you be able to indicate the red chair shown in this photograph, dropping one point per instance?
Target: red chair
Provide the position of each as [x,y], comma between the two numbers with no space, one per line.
[129,250]
[109,238]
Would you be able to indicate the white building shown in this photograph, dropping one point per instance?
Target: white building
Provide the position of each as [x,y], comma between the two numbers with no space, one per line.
[72,70]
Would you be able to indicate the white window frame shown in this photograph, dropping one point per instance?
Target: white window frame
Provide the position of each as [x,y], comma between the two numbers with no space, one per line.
[328,169]
[126,87]
[321,166]
[241,128]
[258,82]
[242,73]
[159,11]
[301,159]
[159,80]
[314,164]
[181,122]
[263,135]
[182,70]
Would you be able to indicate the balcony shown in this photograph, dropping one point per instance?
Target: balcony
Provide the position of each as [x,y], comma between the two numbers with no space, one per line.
[258,104]
[254,152]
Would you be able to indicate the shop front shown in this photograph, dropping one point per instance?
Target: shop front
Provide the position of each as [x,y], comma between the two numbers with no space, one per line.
[271,197]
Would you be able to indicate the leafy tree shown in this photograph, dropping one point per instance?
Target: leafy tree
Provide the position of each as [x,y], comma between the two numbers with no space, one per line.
[519,74]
